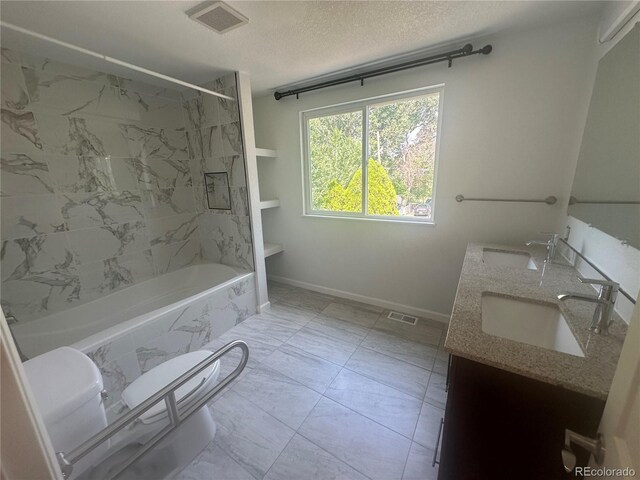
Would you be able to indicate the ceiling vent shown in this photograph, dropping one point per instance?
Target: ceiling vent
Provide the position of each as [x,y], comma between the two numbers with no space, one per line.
[218,16]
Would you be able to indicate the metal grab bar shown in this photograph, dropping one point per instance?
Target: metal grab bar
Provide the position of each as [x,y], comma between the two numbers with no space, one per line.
[176,417]
[573,201]
[550,200]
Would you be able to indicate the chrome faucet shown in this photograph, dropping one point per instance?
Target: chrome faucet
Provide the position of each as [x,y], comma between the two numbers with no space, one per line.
[551,245]
[605,301]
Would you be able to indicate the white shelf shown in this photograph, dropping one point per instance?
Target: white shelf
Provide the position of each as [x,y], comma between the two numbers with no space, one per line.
[272,249]
[265,152]
[273,203]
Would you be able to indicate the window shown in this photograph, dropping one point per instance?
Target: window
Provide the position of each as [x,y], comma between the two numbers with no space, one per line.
[375,158]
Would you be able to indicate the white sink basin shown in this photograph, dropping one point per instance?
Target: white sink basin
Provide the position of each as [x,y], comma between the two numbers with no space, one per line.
[528,322]
[508,259]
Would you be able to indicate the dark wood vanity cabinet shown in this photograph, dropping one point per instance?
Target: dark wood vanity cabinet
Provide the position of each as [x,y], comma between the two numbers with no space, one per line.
[500,425]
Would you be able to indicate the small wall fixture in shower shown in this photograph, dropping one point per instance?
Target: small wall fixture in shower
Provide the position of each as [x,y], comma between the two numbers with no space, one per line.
[216,185]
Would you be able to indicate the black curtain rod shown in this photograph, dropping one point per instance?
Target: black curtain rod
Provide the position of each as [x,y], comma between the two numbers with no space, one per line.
[465,51]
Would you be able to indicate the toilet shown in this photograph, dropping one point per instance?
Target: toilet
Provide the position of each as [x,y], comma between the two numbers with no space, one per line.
[68,388]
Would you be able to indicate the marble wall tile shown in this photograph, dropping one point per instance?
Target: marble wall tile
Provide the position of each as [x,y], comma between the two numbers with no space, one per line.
[14,90]
[192,326]
[233,165]
[66,87]
[25,216]
[118,375]
[241,287]
[160,173]
[111,350]
[156,107]
[239,201]
[168,258]
[39,276]
[159,111]
[232,237]
[106,159]
[200,201]
[205,143]
[152,353]
[128,85]
[221,84]
[82,137]
[19,132]
[210,251]
[228,312]
[8,56]
[168,201]
[100,243]
[165,143]
[228,109]
[83,210]
[173,229]
[231,139]
[91,174]
[106,276]
[200,112]
[24,175]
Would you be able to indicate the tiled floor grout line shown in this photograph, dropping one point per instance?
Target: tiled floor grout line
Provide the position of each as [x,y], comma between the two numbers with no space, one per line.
[342,367]
[322,395]
[329,453]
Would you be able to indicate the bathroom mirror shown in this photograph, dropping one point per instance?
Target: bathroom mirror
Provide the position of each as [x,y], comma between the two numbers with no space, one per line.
[606,186]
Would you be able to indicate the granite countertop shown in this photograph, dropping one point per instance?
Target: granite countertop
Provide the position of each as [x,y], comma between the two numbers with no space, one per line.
[590,375]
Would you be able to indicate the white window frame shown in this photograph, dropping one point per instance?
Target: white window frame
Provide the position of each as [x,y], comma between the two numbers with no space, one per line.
[361,105]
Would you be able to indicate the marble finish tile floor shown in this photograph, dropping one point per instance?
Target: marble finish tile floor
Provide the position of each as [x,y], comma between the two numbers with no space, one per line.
[333,390]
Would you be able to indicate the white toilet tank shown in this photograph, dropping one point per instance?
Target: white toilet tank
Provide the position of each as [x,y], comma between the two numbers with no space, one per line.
[67,387]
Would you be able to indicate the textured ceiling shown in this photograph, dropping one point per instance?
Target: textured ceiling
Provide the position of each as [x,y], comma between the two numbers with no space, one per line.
[285,42]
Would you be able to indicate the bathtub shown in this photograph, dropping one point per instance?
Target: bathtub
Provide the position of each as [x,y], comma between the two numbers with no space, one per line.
[132,330]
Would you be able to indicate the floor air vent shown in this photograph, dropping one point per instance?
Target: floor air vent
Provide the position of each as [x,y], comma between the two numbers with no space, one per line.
[401,317]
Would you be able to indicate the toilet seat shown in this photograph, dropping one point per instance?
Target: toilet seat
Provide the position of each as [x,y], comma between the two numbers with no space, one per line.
[162,375]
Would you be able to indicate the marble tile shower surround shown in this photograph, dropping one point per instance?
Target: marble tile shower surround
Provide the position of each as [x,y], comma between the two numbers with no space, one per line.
[214,140]
[101,186]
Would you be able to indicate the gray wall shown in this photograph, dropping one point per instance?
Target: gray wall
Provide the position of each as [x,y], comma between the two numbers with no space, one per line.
[511,128]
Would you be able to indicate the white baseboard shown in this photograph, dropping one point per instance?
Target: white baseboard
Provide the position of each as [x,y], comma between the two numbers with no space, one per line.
[420,312]
[265,306]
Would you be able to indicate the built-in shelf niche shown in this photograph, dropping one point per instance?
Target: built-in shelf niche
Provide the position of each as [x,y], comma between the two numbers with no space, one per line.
[266,153]
[272,203]
[272,249]
[269,248]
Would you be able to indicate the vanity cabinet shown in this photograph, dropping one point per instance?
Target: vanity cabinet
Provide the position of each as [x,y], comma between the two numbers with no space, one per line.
[500,425]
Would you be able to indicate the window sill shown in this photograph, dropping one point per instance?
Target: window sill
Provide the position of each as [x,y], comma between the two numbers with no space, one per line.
[430,223]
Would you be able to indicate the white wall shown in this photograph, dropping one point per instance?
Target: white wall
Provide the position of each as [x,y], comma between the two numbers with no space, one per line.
[512,124]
